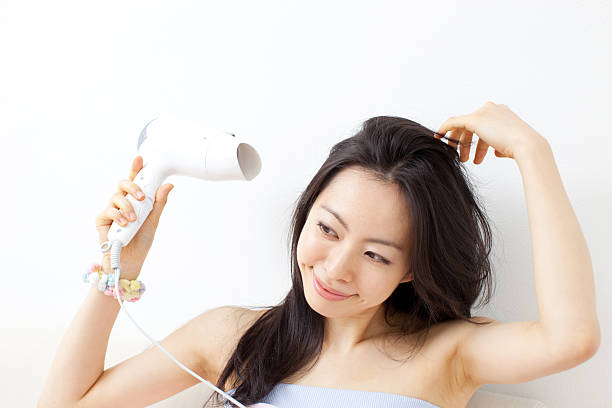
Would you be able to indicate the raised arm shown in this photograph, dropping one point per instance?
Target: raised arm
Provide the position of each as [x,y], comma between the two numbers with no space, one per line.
[567,331]
[563,271]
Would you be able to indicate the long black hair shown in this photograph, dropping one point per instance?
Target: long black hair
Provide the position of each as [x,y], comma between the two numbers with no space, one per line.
[449,255]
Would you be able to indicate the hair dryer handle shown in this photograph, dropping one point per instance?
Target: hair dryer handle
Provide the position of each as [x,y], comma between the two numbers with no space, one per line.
[125,234]
[148,179]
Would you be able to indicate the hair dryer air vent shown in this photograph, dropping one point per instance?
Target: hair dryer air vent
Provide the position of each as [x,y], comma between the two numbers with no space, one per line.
[249,161]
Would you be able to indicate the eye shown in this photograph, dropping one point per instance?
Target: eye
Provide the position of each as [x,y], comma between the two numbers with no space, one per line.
[383,260]
[324,229]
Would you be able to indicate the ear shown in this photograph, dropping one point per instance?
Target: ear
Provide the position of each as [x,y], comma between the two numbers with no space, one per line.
[407,278]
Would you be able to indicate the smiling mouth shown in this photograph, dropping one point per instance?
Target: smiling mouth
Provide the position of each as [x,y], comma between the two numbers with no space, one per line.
[330,290]
[324,286]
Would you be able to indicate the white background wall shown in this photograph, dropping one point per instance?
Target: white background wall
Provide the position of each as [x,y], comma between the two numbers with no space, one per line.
[79,80]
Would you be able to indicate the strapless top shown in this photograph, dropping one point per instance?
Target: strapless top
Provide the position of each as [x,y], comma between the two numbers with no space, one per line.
[305,396]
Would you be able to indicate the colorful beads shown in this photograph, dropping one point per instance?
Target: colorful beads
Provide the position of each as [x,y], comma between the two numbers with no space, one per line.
[94,267]
[130,291]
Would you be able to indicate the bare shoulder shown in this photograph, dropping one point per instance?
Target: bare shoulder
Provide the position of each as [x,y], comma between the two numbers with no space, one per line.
[218,331]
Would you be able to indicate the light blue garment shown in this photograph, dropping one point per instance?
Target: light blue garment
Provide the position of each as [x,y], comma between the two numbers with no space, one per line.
[305,396]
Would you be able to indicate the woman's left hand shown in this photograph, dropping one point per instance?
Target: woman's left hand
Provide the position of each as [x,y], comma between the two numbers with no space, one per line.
[496,126]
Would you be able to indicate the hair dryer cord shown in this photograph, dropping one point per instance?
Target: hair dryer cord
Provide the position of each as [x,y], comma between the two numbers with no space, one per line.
[115,248]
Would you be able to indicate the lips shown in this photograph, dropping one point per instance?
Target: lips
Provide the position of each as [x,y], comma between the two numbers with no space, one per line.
[327,288]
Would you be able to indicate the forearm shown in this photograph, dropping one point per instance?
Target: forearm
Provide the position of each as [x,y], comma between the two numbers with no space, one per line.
[564,283]
[79,360]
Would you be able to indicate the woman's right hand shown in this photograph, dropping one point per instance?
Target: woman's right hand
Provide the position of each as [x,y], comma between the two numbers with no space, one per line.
[134,253]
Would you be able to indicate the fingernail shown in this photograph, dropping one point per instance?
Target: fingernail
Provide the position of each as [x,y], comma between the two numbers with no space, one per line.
[139,194]
[132,216]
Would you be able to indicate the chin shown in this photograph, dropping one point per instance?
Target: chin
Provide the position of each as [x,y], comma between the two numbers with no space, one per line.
[315,301]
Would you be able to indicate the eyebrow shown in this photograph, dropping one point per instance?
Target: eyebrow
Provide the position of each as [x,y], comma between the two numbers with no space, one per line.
[375,240]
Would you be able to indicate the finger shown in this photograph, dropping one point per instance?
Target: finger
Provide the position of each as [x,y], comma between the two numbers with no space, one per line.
[115,214]
[131,188]
[459,122]
[104,221]
[136,167]
[108,215]
[455,138]
[499,154]
[466,144]
[102,226]
[124,205]
[481,151]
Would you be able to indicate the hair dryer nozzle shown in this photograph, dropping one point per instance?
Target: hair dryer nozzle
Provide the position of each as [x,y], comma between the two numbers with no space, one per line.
[187,148]
[249,161]
[229,158]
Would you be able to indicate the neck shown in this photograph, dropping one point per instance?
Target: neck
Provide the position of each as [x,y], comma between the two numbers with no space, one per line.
[343,335]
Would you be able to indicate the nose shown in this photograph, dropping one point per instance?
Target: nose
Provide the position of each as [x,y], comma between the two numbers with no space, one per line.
[338,265]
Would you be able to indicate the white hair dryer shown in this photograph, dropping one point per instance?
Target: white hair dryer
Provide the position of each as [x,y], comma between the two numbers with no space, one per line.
[171,146]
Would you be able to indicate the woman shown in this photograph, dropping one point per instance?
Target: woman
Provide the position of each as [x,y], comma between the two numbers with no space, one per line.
[389,251]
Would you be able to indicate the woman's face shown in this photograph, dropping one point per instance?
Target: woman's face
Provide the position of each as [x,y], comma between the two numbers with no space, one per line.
[342,257]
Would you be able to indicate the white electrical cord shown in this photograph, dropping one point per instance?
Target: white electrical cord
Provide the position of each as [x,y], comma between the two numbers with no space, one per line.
[115,249]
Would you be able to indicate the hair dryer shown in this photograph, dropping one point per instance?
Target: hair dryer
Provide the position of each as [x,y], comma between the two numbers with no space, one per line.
[171,146]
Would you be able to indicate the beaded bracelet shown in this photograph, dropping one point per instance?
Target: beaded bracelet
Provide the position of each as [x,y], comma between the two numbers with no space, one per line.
[129,290]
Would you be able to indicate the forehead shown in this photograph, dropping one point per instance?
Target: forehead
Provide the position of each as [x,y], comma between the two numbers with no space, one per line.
[369,206]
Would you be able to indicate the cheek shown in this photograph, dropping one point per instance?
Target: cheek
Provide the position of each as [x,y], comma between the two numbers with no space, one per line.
[377,287]
[309,248]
